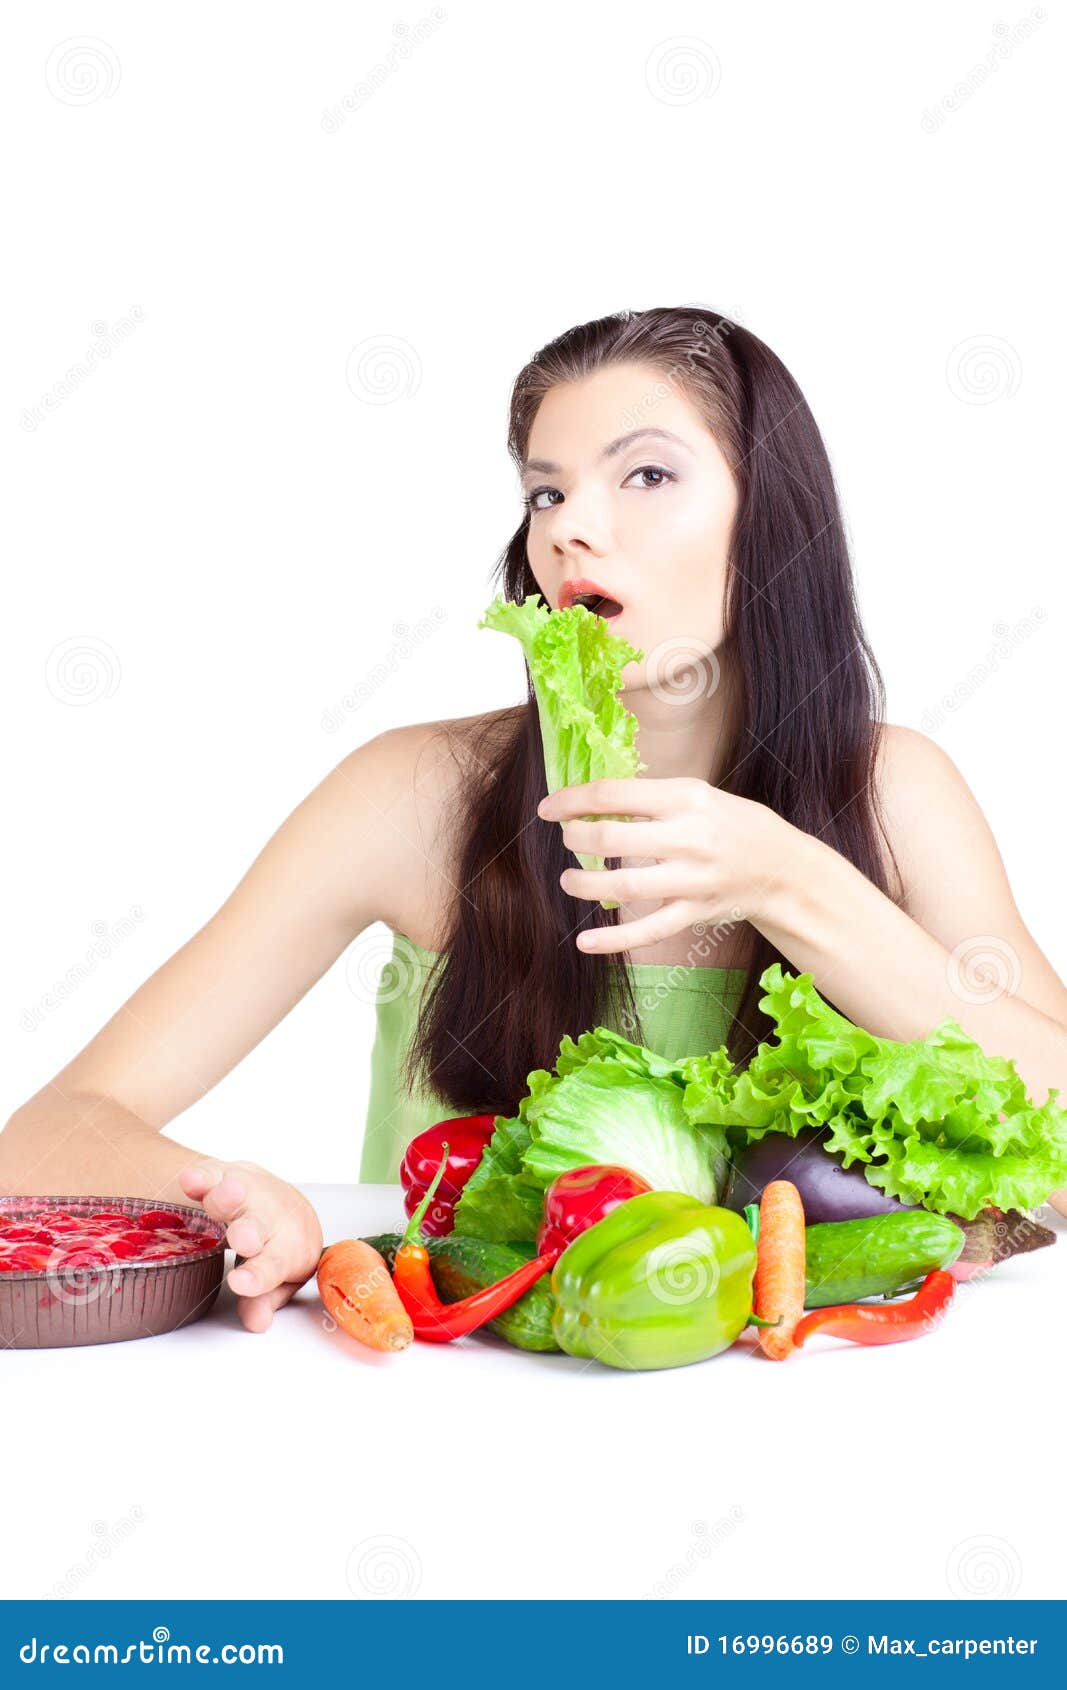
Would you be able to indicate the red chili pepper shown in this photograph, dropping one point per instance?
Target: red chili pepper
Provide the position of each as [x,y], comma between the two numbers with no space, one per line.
[436,1322]
[467,1137]
[580,1197]
[883,1323]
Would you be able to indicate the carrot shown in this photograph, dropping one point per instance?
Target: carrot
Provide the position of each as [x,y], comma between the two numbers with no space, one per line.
[778,1289]
[357,1291]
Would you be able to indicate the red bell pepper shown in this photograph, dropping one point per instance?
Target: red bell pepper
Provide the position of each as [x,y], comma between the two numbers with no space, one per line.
[466,1137]
[579,1198]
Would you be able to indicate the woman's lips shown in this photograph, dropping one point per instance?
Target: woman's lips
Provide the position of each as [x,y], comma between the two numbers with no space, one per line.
[595,597]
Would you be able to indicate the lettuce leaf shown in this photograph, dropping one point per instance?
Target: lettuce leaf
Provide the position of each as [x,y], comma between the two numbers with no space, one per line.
[575,666]
[636,1059]
[608,1101]
[498,1203]
[934,1121]
[605,1112]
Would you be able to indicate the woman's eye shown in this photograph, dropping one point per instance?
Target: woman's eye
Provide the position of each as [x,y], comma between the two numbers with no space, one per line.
[531,499]
[653,469]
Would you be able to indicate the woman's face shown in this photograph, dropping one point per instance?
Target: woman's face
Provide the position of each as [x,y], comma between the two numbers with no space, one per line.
[646,518]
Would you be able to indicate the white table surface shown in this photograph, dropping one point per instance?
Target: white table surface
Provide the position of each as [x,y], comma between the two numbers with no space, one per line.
[216,1463]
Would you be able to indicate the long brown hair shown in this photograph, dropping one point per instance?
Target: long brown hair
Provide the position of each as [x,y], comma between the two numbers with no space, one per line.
[806,705]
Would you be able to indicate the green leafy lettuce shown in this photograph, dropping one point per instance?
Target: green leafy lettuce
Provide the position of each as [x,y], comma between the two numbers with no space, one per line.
[575,666]
[608,1101]
[935,1121]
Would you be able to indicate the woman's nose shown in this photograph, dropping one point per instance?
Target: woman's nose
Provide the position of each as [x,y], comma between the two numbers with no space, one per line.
[578,527]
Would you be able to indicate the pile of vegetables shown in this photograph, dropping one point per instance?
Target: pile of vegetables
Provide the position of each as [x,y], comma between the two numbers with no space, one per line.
[863,1125]
[644,1279]
[645,1212]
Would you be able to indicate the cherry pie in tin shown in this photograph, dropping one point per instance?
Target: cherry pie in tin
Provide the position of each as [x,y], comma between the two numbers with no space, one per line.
[95,1270]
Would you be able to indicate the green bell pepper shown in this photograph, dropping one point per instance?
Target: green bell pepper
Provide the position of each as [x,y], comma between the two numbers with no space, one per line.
[661,1281]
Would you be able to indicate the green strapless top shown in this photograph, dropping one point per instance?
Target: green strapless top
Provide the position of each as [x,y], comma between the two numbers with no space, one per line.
[684,1011]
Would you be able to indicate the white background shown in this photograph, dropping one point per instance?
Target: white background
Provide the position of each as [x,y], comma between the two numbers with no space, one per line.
[231,529]
[231,532]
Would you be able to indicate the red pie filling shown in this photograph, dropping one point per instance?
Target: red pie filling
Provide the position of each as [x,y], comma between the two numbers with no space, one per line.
[53,1240]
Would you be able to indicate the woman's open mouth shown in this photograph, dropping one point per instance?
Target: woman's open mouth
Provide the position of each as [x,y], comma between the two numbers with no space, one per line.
[593,597]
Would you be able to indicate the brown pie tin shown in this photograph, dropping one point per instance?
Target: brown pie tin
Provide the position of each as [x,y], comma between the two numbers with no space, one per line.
[50,1307]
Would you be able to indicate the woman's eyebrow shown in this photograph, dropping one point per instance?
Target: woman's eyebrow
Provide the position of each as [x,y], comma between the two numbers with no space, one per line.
[545,466]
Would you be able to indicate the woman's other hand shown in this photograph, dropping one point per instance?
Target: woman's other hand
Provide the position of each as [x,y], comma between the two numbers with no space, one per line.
[269,1223]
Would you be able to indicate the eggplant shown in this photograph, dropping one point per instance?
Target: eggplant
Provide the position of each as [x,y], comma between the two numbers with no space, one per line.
[993,1236]
[828,1191]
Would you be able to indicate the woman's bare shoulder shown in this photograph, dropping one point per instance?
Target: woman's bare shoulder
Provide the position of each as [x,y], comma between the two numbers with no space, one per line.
[927,809]
[441,755]
[956,884]
[911,766]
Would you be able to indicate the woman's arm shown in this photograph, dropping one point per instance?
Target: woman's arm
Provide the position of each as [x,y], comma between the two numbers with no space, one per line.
[336,863]
[958,947]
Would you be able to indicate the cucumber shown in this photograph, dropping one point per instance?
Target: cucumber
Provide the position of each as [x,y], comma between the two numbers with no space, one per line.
[462,1265]
[875,1257]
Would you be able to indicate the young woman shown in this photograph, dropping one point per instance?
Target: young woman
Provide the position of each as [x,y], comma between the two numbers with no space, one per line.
[672,469]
